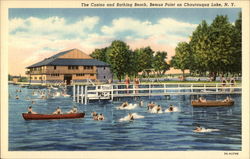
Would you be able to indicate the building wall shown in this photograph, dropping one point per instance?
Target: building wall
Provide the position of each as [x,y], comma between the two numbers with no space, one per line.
[104,74]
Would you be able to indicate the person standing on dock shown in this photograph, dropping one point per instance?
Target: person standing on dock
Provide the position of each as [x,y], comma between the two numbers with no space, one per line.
[127,82]
[136,82]
[232,83]
[224,82]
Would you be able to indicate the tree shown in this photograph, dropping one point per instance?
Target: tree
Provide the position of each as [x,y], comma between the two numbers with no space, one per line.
[159,63]
[236,66]
[221,52]
[134,65]
[145,59]
[200,46]
[183,57]
[100,54]
[118,55]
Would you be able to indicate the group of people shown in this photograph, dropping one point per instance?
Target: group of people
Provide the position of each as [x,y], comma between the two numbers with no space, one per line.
[158,108]
[97,116]
[203,100]
[136,83]
[57,111]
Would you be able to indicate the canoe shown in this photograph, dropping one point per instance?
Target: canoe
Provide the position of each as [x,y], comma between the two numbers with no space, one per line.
[211,103]
[27,116]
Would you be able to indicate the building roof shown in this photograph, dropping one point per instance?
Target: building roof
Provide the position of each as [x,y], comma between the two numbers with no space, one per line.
[55,61]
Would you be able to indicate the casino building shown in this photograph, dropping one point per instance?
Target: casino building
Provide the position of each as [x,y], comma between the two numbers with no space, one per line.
[69,66]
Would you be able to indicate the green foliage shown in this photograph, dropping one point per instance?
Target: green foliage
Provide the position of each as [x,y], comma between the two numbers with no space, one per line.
[214,48]
[159,63]
[145,58]
[100,54]
[118,55]
[183,57]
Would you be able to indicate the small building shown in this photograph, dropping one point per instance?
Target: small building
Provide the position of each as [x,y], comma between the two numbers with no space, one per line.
[69,66]
[16,79]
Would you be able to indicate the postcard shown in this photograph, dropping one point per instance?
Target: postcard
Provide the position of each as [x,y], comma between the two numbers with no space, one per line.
[125,79]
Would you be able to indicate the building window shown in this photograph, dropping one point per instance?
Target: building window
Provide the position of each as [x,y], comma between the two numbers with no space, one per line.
[55,74]
[40,78]
[88,67]
[80,74]
[91,74]
[104,77]
[54,67]
[104,68]
[73,67]
[35,78]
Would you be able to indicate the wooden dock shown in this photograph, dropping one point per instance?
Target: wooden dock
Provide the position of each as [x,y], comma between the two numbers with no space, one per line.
[84,93]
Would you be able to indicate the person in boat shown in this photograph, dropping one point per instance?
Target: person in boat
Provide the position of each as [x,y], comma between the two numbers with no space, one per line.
[158,108]
[73,110]
[101,117]
[151,105]
[17,97]
[30,111]
[131,117]
[202,99]
[58,111]
[198,128]
[125,104]
[228,99]
[171,108]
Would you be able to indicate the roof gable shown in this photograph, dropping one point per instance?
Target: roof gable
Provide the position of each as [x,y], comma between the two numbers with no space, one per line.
[71,57]
[64,54]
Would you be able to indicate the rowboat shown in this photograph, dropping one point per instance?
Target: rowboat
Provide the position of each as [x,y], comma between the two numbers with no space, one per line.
[27,116]
[211,103]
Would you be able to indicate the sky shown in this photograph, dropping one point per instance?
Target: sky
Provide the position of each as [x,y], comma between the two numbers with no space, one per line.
[38,33]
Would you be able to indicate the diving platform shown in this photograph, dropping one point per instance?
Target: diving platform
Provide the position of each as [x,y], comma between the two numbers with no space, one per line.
[84,93]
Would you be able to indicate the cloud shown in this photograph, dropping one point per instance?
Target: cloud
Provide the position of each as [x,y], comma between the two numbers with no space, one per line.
[33,39]
[143,29]
[52,26]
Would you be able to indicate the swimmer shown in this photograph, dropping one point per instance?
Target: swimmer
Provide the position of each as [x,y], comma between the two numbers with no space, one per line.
[158,108]
[198,128]
[151,105]
[125,104]
[141,103]
[101,117]
[17,97]
[131,117]
[33,102]
[171,108]
[95,117]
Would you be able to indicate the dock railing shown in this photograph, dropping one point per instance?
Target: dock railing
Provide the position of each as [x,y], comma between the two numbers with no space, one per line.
[84,93]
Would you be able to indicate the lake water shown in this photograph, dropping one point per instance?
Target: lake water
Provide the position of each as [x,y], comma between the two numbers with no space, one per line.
[166,131]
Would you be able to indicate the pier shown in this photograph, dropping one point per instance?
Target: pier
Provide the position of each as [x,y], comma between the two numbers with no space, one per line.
[84,93]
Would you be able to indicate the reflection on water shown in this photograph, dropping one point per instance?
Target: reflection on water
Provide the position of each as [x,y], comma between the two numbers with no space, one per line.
[172,131]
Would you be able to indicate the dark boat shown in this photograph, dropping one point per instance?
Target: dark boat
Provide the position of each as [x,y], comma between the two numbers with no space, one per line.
[211,103]
[27,116]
